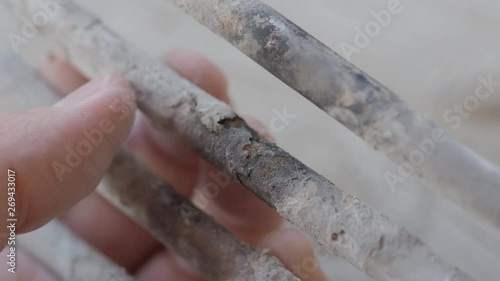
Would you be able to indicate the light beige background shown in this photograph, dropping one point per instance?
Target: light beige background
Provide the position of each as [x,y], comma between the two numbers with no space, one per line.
[431,54]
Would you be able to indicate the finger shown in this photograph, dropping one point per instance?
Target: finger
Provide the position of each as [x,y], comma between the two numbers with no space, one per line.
[112,233]
[175,162]
[261,129]
[200,71]
[166,153]
[167,266]
[106,234]
[231,204]
[178,164]
[182,163]
[60,75]
[26,269]
[94,219]
[289,245]
[297,253]
[59,153]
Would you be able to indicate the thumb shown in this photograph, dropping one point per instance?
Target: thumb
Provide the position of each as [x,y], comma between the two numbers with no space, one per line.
[54,157]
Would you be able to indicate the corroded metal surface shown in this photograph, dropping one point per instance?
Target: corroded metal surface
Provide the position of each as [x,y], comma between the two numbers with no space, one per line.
[179,225]
[364,237]
[148,200]
[356,100]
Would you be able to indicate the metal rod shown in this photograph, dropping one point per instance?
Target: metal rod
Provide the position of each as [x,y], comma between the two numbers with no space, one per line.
[147,199]
[69,257]
[60,251]
[179,225]
[363,105]
[338,221]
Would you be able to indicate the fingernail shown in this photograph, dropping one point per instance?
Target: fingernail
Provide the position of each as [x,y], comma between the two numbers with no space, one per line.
[92,88]
[56,55]
[51,58]
[261,129]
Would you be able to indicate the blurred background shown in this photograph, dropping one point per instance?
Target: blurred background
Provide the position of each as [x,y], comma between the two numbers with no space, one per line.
[432,54]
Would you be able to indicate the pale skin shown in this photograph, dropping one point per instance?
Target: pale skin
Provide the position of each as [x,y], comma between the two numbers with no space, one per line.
[31,141]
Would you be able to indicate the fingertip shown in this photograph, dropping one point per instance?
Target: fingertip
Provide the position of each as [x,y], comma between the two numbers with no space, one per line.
[107,236]
[169,155]
[106,105]
[198,69]
[260,127]
[296,252]
[167,264]
[288,236]
[60,75]
[104,100]
[70,147]
[234,206]
[166,153]
[105,88]
[26,269]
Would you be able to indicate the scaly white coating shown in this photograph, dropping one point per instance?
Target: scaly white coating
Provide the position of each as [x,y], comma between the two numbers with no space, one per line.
[360,103]
[135,190]
[340,222]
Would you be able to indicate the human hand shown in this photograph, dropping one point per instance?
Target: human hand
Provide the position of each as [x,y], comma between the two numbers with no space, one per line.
[96,221]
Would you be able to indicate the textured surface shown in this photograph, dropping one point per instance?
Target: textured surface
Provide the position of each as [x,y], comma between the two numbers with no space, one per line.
[154,204]
[356,100]
[178,224]
[75,260]
[369,241]
[71,258]
[431,55]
